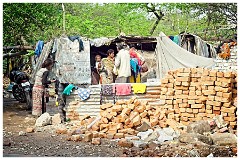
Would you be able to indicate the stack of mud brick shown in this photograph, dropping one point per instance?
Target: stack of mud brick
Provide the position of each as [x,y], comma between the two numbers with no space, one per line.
[191,94]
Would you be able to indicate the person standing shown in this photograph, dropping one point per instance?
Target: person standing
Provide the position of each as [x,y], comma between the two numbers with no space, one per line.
[122,63]
[41,82]
[106,68]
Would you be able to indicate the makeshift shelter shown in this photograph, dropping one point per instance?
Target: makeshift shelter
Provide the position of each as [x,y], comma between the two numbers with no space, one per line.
[171,56]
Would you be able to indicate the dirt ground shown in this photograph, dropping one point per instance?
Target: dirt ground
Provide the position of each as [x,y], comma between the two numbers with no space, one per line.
[45,142]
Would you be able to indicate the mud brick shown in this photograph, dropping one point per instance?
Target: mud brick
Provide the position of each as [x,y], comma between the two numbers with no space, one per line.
[88,137]
[224,84]
[198,101]
[183,79]
[209,111]
[192,93]
[228,74]
[76,138]
[185,84]
[202,110]
[181,96]
[216,112]
[226,100]
[234,91]
[204,87]
[218,104]
[192,88]
[164,81]
[108,105]
[233,123]
[191,102]
[216,108]
[184,119]
[136,102]
[61,131]
[103,126]
[226,90]
[206,72]
[195,97]
[125,143]
[227,95]
[177,110]
[174,102]
[153,122]
[209,92]
[117,108]
[189,110]
[208,83]
[183,105]
[199,106]
[211,98]
[227,104]
[133,115]
[227,80]
[219,99]
[228,110]
[194,84]
[140,109]
[210,87]
[185,92]
[219,94]
[163,97]
[195,110]
[209,102]
[209,107]
[179,101]
[213,73]
[170,85]
[198,93]
[110,135]
[126,111]
[119,135]
[120,102]
[220,74]
[177,83]
[210,115]
[217,83]
[143,114]
[170,97]
[183,74]
[102,135]
[136,121]
[169,101]
[131,106]
[184,88]
[149,107]
[184,114]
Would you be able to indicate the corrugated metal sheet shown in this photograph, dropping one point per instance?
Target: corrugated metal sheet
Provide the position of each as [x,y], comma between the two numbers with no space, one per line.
[92,105]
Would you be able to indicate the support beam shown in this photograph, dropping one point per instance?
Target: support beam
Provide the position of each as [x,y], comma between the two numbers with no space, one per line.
[9,55]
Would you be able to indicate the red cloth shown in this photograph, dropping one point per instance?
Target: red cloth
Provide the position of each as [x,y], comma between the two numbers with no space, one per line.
[133,54]
[123,89]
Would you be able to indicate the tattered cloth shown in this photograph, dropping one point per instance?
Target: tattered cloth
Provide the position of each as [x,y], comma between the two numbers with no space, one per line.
[108,89]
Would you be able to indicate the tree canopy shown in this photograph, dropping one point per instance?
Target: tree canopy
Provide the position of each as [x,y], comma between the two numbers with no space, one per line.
[26,23]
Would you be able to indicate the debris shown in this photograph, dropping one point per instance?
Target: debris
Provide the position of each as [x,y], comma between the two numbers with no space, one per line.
[194,137]
[139,143]
[21,133]
[125,143]
[210,155]
[219,121]
[199,127]
[224,139]
[43,120]
[144,135]
[152,137]
[56,119]
[144,127]
[96,141]
[30,130]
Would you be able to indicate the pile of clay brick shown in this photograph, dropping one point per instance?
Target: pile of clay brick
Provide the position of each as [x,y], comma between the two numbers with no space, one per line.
[125,117]
[191,94]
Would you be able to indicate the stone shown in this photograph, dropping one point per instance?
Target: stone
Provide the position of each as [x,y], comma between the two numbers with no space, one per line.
[21,133]
[144,127]
[199,127]
[96,141]
[43,120]
[224,139]
[152,145]
[125,143]
[152,137]
[56,119]
[76,138]
[219,121]
[164,136]
[144,135]
[139,143]
[132,137]
[6,143]
[119,135]
[195,137]
[30,130]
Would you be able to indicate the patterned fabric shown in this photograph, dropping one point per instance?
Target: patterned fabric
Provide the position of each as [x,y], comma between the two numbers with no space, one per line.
[39,75]
[123,89]
[37,96]
[139,88]
[83,93]
[107,89]
[106,71]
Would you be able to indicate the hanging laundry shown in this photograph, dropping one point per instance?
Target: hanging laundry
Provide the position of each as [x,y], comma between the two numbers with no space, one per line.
[139,88]
[123,89]
[134,66]
[83,93]
[73,38]
[176,39]
[108,89]
[39,48]
[68,89]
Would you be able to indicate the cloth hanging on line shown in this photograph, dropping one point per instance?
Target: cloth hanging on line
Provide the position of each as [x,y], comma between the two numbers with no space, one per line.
[139,88]
[73,38]
[39,48]
[123,89]
[68,89]
[84,93]
[108,89]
